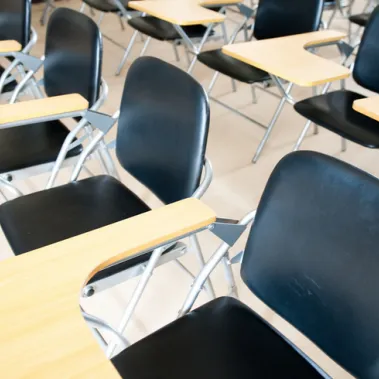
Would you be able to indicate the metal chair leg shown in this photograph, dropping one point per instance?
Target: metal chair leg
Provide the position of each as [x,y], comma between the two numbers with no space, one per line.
[48,4]
[127,52]
[229,276]
[145,46]
[343,144]
[121,22]
[302,135]
[213,82]
[142,283]
[197,249]
[176,52]
[234,85]
[271,125]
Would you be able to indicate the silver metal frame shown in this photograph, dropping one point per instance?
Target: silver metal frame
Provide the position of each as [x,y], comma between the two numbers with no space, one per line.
[191,46]
[122,14]
[16,63]
[33,64]
[221,254]
[347,51]
[150,266]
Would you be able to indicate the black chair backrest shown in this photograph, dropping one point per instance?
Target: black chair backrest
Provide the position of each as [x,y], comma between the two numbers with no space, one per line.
[163,128]
[15,20]
[73,55]
[365,71]
[312,256]
[279,18]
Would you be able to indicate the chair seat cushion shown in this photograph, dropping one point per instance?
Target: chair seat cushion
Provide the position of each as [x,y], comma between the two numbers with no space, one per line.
[334,111]
[106,5]
[223,339]
[163,30]
[31,145]
[232,67]
[42,218]
[360,19]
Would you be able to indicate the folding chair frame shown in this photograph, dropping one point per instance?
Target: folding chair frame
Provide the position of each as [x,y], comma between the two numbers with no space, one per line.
[7,76]
[227,230]
[33,64]
[123,13]
[347,51]
[191,45]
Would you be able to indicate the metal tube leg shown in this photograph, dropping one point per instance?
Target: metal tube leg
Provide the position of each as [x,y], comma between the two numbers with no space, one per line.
[121,22]
[270,127]
[127,52]
[233,291]
[302,135]
[254,94]
[234,85]
[102,14]
[144,48]
[343,145]
[82,7]
[192,64]
[176,52]
[196,246]
[136,296]
[213,82]
[46,12]
[224,32]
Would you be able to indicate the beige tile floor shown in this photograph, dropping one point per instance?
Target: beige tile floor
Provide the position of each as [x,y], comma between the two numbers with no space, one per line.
[235,190]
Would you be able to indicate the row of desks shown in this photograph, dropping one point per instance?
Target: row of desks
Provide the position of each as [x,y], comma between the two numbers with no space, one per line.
[43,334]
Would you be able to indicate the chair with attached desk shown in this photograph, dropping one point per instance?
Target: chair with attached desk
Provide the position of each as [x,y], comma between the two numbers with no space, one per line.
[15,25]
[112,7]
[161,141]
[273,18]
[361,19]
[311,257]
[334,110]
[175,22]
[73,86]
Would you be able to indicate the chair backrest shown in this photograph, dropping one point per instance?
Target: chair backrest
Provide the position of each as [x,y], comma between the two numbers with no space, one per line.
[15,20]
[365,71]
[312,256]
[73,55]
[163,128]
[279,18]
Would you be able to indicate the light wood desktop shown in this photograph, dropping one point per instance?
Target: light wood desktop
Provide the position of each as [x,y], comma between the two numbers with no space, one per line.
[9,46]
[368,106]
[39,108]
[180,13]
[43,334]
[287,58]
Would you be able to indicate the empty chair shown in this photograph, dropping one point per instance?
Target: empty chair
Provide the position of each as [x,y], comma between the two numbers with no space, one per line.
[161,141]
[72,65]
[311,256]
[156,28]
[334,110]
[274,18]
[15,24]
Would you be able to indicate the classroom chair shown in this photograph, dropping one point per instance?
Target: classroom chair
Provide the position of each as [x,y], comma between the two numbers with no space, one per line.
[161,30]
[15,24]
[273,18]
[161,141]
[31,133]
[334,110]
[337,6]
[114,7]
[311,257]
